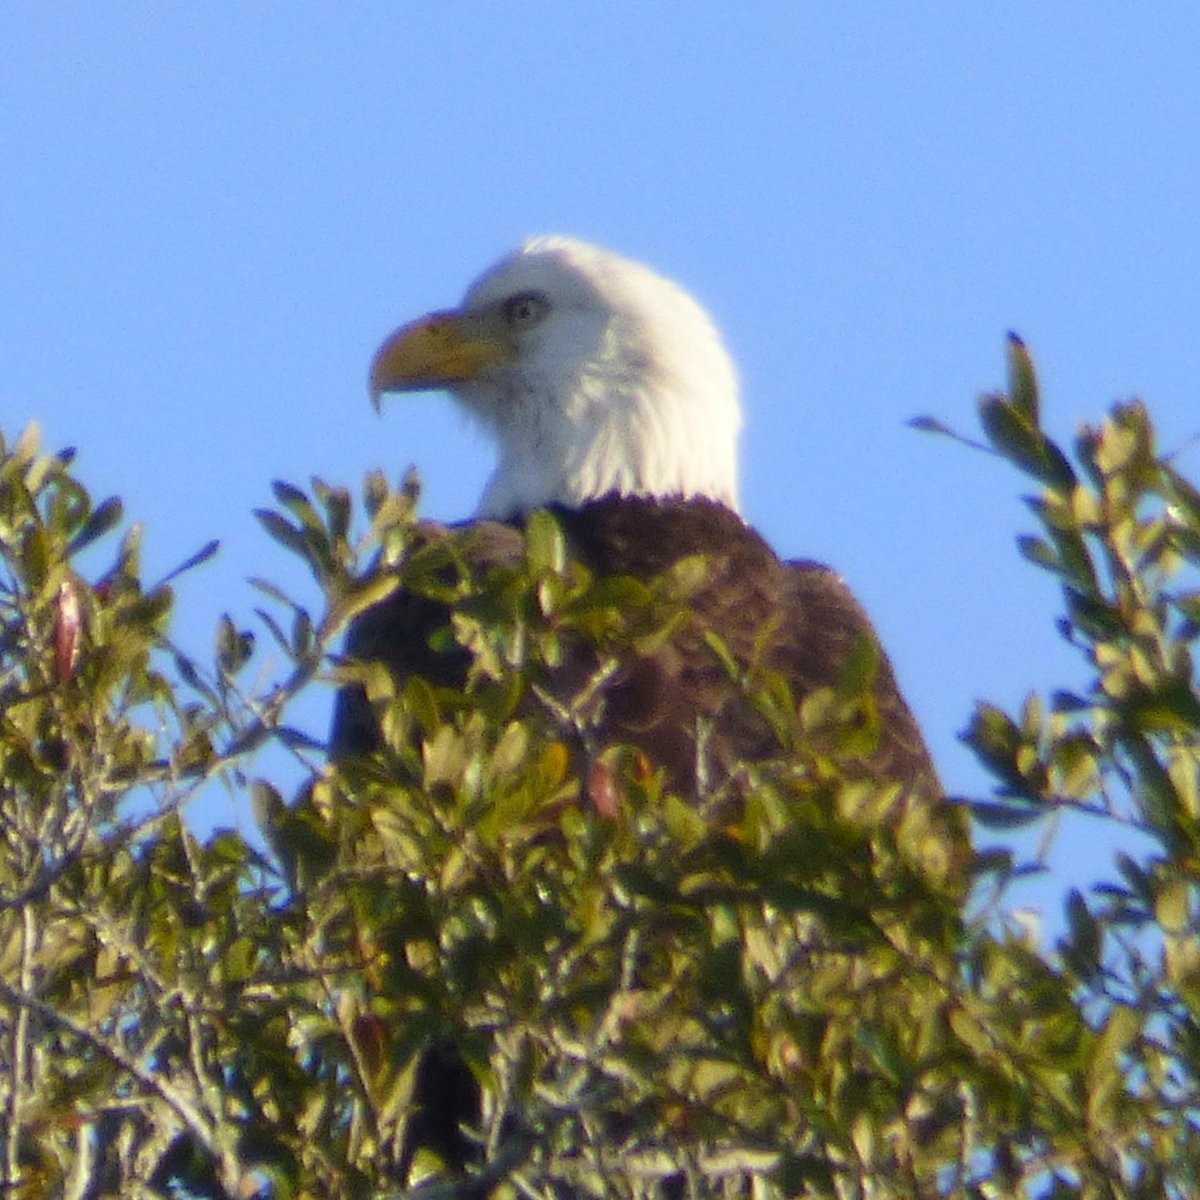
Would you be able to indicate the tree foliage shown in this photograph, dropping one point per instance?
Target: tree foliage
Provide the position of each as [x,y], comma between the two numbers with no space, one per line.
[774,990]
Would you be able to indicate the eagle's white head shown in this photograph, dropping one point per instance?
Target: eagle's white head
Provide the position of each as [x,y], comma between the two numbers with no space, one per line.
[594,374]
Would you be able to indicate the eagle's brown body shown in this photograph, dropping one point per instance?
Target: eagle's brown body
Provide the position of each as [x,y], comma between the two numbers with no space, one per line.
[796,619]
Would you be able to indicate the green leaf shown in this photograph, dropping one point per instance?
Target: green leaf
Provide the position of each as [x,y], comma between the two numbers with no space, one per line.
[201,556]
[298,504]
[282,530]
[1014,435]
[102,519]
[336,501]
[930,424]
[1093,615]
[859,669]
[26,445]
[545,546]
[375,492]
[302,633]
[276,593]
[1004,816]
[1122,1026]
[275,630]
[1170,705]
[1038,551]
[994,736]
[1173,905]
[363,595]
[1022,380]
[311,542]
[234,646]
[1082,948]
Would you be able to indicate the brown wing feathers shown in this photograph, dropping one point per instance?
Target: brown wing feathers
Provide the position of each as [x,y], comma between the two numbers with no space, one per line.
[798,617]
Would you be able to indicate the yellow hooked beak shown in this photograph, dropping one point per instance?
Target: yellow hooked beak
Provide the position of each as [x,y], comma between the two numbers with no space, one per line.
[439,349]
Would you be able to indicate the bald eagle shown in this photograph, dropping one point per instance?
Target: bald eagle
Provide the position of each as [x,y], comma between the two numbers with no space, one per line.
[613,402]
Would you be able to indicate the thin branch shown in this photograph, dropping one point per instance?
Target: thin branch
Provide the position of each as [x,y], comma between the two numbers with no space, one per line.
[153,1082]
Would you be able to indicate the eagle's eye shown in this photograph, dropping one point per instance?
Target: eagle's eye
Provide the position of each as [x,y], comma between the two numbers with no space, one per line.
[525,310]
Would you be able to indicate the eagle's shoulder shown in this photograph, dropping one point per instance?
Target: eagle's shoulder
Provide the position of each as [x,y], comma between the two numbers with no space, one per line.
[826,624]
[818,599]
[645,535]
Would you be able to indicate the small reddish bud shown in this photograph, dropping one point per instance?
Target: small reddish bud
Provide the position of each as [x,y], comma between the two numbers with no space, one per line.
[602,790]
[68,630]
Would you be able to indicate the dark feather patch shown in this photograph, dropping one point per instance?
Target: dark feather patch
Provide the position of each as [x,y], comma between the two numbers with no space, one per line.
[795,619]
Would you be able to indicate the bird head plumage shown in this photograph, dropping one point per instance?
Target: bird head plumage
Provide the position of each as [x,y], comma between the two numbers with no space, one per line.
[593,374]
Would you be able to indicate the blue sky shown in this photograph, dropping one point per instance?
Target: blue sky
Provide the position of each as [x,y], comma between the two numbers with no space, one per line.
[209,216]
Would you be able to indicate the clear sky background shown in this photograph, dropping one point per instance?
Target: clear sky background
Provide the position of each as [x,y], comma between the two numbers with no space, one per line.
[210,215]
